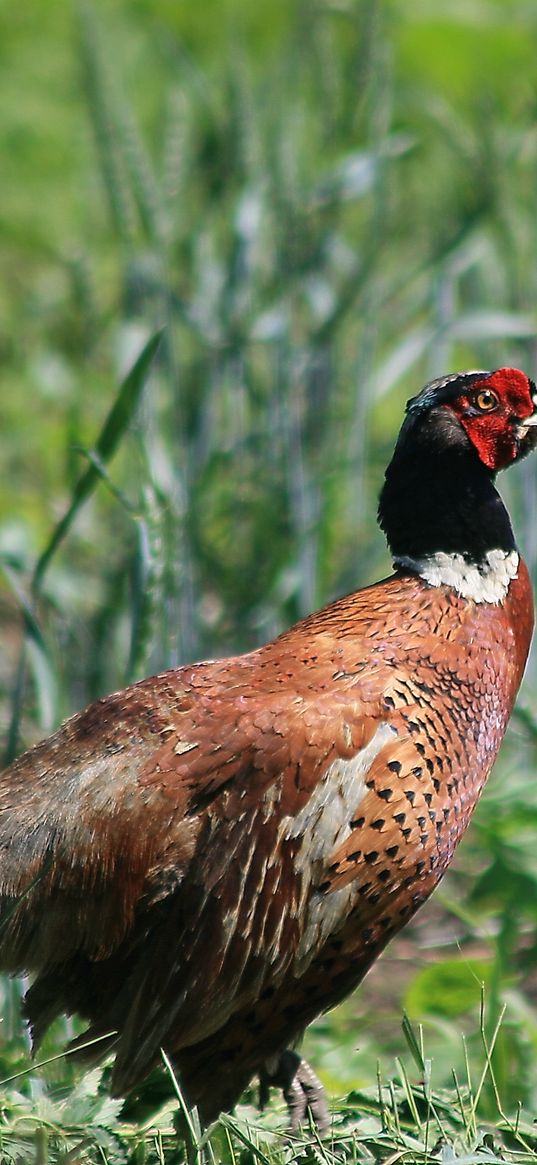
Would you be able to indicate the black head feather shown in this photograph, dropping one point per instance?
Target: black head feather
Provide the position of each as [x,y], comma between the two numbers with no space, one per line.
[443,389]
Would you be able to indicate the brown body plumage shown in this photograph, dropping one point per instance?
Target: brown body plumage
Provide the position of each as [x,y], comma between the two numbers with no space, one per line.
[206,861]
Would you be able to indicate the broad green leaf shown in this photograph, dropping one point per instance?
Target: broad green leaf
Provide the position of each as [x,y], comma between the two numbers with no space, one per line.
[449,988]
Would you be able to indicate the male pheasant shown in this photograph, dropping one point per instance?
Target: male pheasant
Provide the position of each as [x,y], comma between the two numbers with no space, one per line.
[204,862]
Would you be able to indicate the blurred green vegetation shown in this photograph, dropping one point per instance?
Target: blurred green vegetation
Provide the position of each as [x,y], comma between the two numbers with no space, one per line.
[323,205]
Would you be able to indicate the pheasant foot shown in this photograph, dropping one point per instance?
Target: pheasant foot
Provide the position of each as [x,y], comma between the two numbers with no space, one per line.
[301,1088]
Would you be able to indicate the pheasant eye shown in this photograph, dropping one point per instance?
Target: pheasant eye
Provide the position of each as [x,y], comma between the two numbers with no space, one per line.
[486,401]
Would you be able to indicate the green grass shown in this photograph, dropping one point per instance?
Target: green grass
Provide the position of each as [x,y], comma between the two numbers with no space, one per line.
[402,1117]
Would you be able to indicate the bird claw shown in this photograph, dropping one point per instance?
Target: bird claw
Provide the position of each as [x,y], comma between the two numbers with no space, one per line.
[302,1090]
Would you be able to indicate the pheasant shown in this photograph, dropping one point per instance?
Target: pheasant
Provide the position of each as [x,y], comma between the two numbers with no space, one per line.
[207,860]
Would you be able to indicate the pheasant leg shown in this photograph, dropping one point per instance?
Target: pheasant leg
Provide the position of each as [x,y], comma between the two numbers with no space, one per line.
[301,1088]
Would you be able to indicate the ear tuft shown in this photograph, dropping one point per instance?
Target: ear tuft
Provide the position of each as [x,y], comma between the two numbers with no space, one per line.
[443,388]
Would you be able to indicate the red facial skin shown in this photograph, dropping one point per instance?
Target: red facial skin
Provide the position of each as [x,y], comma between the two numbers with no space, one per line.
[495,432]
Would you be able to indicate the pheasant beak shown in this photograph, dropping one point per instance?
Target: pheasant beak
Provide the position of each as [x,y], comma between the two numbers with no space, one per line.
[526,434]
[531,421]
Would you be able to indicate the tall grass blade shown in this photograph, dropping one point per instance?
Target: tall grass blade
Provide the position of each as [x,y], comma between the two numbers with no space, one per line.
[101,105]
[414,1046]
[114,428]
